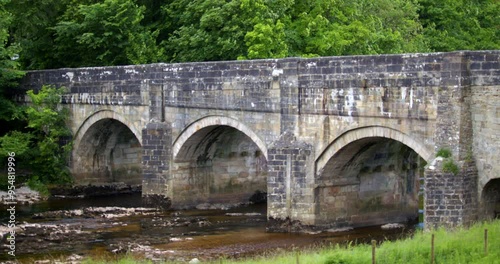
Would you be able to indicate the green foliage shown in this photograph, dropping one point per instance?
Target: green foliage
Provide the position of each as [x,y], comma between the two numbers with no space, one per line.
[266,40]
[461,24]
[48,123]
[325,28]
[15,141]
[41,144]
[450,166]
[107,33]
[9,68]
[448,163]
[31,31]
[443,152]
[449,248]
[214,29]
[35,184]
[74,33]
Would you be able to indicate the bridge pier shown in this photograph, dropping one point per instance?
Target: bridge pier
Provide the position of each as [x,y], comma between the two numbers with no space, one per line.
[157,152]
[290,182]
[450,199]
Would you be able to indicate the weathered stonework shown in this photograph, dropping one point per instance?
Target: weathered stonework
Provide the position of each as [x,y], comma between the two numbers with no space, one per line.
[450,200]
[289,180]
[337,127]
[108,152]
[155,163]
[371,181]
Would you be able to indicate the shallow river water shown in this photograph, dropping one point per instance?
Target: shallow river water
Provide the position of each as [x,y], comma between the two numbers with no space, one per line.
[89,227]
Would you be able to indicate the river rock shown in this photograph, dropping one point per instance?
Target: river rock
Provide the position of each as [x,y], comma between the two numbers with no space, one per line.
[195,260]
[175,222]
[243,214]
[392,226]
[203,206]
[23,195]
[217,206]
[93,212]
[94,190]
[43,238]
[284,225]
[339,229]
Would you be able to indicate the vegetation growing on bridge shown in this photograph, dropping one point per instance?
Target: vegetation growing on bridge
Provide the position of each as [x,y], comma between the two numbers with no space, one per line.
[448,163]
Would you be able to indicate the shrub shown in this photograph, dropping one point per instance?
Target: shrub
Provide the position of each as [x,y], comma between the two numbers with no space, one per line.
[35,184]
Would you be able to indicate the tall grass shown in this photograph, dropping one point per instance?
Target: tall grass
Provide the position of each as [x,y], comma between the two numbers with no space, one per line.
[454,247]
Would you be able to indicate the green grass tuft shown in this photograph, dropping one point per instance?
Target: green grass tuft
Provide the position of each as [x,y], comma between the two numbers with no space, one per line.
[450,166]
[443,152]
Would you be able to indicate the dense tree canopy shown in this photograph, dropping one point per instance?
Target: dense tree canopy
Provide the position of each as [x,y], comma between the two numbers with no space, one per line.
[74,33]
[9,72]
[461,24]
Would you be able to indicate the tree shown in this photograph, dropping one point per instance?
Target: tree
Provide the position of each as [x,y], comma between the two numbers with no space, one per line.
[31,29]
[209,30]
[461,24]
[9,67]
[41,143]
[266,40]
[326,28]
[107,33]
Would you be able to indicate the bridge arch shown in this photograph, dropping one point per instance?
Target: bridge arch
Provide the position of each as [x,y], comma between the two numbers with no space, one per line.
[490,199]
[369,176]
[216,121]
[107,148]
[367,132]
[217,160]
[100,115]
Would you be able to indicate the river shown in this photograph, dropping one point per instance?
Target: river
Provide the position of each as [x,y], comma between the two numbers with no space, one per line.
[108,227]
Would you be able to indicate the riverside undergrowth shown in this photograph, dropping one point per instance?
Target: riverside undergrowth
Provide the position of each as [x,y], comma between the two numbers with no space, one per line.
[461,245]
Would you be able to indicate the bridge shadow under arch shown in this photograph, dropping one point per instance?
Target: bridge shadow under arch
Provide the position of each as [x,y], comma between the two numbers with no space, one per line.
[217,160]
[490,199]
[369,176]
[106,151]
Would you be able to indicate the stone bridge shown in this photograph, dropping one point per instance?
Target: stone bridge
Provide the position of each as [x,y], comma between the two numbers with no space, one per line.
[333,141]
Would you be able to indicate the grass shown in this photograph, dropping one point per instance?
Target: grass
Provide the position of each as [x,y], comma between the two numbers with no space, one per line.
[450,166]
[443,152]
[454,247]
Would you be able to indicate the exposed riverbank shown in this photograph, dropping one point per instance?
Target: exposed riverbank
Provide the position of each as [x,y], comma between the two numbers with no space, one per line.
[22,195]
[458,246]
[81,230]
[112,227]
